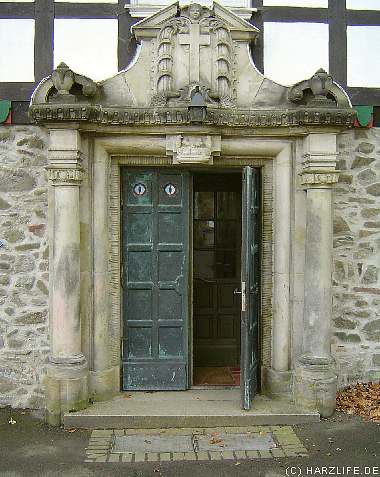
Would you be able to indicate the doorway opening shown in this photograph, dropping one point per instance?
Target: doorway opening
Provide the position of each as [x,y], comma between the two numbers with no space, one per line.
[217,220]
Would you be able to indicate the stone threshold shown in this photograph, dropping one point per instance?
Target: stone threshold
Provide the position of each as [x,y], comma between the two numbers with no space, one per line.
[186,409]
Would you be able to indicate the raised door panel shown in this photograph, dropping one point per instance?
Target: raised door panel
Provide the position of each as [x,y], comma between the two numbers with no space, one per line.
[155,285]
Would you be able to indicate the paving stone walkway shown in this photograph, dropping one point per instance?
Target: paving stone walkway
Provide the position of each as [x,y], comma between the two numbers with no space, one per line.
[227,443]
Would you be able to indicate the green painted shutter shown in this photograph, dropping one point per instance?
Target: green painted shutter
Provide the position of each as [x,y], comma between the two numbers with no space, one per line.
[155,279]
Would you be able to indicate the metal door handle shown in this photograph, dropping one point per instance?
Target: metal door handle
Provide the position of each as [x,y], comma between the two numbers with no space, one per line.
[242,292]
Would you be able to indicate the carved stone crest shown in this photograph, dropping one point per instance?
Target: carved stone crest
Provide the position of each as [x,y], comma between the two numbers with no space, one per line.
[193,50]
[193,149]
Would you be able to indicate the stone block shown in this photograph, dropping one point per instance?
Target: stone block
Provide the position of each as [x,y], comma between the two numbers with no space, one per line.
[370,275]
[16,180]
[374,189]
[4,279]
[14,235]
[345,323]
[348,338]
[370,212]
[365,147]
[34,142]
[361,161]
[4,204]
[372,330]
[27,246]
[340,225]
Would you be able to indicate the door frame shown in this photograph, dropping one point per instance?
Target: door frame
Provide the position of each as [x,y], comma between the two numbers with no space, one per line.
[103,319]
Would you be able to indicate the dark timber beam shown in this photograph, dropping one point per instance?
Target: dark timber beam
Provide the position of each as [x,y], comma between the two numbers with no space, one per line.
[17,91]
[295,14]
[126,43]
[86,10]
[16,10]
[43,38]
[363,17]
[364,96]
[257,50]
[338,41]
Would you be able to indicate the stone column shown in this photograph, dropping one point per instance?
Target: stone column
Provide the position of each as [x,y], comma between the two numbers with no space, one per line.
[66,382]
[315,378]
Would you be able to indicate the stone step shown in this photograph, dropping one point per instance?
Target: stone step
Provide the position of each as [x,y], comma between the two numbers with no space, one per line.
[88,421]
[193,408]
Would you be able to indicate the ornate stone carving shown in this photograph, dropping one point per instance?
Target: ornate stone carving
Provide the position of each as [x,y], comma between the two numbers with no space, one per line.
[319,91]
[319,178]
[193,149]
[63,176]
[64,86]
[194,46]
[42,113]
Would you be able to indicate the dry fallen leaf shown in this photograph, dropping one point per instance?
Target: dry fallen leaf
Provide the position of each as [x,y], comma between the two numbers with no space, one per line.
[72,430]
[362,399]
[215,440]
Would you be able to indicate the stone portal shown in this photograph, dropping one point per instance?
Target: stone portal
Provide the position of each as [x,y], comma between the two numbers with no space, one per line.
[211,108]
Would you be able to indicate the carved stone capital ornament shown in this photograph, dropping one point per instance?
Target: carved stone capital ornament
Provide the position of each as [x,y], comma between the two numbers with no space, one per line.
[319,91]
[319,178]
[65,176]
[193,148]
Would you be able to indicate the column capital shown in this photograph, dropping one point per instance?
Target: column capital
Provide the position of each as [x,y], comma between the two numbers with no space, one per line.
[319,178]
[319,165]
[64,148]
[65,176]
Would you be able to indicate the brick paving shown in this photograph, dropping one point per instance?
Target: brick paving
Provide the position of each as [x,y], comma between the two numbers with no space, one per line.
[287,444]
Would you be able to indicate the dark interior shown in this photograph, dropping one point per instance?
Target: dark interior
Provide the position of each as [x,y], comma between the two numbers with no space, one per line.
[217,259]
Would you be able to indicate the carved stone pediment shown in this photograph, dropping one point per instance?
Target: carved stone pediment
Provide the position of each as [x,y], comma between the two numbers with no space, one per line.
[193,49]
[193,148]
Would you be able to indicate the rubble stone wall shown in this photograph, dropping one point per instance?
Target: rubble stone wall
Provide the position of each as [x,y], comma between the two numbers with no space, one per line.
[24,342]
[356,276]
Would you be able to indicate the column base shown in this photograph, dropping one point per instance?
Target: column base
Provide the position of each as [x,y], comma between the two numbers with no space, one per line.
[277,383]
[104,384]
[66,387]
[315,383]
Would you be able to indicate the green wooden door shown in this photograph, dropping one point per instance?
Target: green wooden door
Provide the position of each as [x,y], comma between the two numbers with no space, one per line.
[250,285]
[155,279]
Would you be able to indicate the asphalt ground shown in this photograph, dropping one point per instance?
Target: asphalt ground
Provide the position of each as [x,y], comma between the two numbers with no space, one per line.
[342,445]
